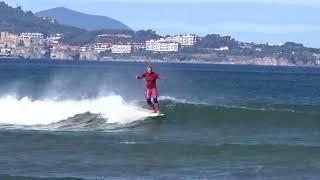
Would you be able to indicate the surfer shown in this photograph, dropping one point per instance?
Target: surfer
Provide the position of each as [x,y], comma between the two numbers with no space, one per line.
[151,91]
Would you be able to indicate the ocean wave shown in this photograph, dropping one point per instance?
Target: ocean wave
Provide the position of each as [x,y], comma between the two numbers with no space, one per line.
[180,100]
[170,98]
[112,113]
[205,112]
[24,111]
[178,114]
[4,176]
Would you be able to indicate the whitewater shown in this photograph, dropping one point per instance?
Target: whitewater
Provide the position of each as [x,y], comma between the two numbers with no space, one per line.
[25,111]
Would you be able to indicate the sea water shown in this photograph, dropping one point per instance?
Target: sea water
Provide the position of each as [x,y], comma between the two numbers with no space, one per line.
[82,121]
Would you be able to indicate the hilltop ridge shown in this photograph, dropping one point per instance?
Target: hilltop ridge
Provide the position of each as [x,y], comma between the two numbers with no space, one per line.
[81,20]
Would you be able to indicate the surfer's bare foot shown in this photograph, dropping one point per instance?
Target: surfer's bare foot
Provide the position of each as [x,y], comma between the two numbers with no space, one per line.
[158,112]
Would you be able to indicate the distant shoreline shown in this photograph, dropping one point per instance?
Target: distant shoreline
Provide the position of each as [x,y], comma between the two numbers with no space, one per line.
[10,60]
[231,60]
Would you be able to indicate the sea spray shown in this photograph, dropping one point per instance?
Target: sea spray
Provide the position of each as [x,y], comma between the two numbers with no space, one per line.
[25,111]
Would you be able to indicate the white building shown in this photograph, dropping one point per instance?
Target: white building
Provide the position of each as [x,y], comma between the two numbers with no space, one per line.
[185,40]
[86,48]
[138,46]
[102,47]
[5,51]
[151,45]
[168,47]
[32,38]
[8,38]
[121,49]
[246,45]
[222,48]
[162,45]
[171,43]
[54,38]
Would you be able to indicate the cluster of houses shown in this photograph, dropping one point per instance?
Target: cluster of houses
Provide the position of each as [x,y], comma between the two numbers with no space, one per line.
[37,45]
[167,44]
[27,45]
[10,40]
[24,45]
[114,48]
[171,43]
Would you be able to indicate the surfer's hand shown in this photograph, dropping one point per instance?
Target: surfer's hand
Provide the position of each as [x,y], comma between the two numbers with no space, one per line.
[137,77]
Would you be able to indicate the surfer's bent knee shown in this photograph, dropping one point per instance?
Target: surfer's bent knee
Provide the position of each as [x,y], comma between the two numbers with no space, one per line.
[149,101]
[155,100]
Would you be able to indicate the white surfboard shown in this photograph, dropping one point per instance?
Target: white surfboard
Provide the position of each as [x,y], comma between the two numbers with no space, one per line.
[150,113]
[156,115]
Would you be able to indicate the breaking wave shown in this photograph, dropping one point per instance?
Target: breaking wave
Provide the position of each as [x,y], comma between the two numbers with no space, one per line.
[25,111]
[112,112]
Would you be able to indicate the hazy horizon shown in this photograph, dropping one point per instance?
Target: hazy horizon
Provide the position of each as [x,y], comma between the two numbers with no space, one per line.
[249,20]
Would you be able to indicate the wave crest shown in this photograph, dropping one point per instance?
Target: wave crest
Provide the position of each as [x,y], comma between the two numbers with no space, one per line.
[25,111]
[112,112]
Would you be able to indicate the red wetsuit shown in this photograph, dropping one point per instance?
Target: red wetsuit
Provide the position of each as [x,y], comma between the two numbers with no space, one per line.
[151,91]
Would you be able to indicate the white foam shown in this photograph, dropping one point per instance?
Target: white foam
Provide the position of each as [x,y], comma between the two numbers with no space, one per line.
[170,98]
[128,142]
[177,100]
[43,112]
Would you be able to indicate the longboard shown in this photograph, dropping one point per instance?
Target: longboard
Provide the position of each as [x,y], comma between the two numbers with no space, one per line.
[156,115]
[150,113]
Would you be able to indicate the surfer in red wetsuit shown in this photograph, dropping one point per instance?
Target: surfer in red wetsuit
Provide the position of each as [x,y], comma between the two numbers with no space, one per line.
[151,91]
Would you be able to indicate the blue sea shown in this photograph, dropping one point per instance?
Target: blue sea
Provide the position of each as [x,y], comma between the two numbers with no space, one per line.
[77,120]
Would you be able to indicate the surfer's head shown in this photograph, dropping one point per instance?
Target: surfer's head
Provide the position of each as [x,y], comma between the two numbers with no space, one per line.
[149,69]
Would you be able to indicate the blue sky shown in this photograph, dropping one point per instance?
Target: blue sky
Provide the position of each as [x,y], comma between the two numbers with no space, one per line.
[262,21]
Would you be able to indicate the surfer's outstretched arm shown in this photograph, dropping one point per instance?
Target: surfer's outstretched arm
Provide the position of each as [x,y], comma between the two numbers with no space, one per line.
[140,77]
[161,77]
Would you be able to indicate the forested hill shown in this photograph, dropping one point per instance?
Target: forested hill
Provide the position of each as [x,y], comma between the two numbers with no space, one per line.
[16,21]
[81,20]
